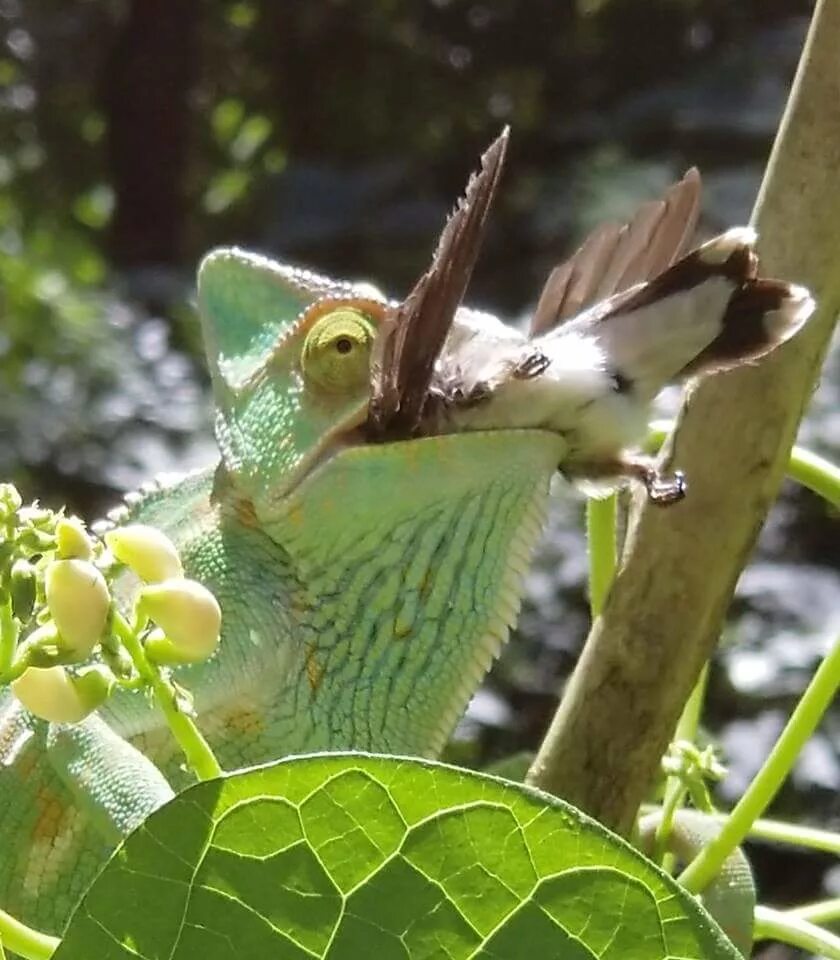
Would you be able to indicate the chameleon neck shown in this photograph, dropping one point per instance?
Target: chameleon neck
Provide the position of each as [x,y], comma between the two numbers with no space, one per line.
[353,619]
[407,597]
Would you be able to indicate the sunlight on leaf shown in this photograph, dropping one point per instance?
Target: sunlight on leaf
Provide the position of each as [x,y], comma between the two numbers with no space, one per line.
[352,855]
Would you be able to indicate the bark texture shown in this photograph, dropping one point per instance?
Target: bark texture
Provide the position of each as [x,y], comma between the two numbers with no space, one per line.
[680,565]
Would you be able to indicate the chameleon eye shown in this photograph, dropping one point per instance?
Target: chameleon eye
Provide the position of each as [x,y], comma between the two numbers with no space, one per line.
[336,352]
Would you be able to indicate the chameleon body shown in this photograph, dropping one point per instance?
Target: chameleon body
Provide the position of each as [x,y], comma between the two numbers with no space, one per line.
[367,580]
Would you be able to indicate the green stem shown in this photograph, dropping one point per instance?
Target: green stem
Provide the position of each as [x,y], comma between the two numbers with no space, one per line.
[8,638]
[776,831]
[823,911]
[196,749]
[801,725]
[675,792]
[811,838]
[807,468]
[780,925]
[675,789]
[601,535]
[23,940]
[815,473]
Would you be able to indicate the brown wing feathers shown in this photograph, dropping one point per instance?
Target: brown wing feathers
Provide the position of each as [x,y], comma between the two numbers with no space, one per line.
[614,256]
[625,268]
[412,338]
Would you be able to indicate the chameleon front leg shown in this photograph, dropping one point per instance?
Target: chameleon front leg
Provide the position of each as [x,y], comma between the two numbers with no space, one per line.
[68,794]
[108,777]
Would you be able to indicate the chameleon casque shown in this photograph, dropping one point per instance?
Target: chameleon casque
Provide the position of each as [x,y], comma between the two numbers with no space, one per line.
[383,477]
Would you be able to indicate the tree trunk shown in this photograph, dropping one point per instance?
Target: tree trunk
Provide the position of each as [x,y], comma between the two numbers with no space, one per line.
[145,88]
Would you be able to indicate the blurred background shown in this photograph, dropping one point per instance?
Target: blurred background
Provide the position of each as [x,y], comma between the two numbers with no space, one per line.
[136,134]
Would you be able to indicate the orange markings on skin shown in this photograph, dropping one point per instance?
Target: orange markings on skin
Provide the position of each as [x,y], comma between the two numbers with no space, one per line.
[25,763]
[295,516]
[375,309]
[244,721]
[314,670]
[245,512]
[51,810]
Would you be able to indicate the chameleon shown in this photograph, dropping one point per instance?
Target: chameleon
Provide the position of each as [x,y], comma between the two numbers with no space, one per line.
[383,475]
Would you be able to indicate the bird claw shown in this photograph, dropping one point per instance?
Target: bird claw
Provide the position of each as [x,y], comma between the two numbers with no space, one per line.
[665,490]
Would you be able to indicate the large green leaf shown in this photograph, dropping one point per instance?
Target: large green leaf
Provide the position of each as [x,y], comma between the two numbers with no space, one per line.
[359,856]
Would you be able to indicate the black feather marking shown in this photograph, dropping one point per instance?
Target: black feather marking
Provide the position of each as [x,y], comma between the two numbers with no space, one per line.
[621,383]
[691,271]
[745,334]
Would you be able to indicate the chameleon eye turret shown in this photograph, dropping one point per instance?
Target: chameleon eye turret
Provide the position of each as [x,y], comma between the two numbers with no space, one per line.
[336,353]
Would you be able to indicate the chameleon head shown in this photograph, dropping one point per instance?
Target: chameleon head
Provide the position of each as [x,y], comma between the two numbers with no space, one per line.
[290,357]
[300,363]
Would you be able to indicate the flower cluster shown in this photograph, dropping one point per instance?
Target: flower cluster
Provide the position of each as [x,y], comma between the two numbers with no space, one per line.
[62,637]
[187,615]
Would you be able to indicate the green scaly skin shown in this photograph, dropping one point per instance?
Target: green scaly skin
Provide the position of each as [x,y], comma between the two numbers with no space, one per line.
[365,586]
[351,619]
[731,898]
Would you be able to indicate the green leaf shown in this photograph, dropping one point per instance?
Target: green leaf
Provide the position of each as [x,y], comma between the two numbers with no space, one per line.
[225,189]
[226,119]
[251,136]
[95,207]
[356,856]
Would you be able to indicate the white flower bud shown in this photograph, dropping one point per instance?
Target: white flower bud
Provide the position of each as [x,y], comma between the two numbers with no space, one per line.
[189,616]
[78,600]
[147,551]
[72,539]
[54,695]
[10,500]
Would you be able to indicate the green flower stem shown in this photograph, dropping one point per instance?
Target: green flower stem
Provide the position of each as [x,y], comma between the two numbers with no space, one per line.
[8,638]
[815,473]
[803,722]
[601,536]
[823,911]
[196,749]
[780,925]
[812,471]
[809,837]
[19,666]
[675,789]
[776,831]
[23,940]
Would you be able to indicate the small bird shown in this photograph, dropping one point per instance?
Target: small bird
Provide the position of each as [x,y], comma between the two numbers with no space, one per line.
[628,314]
